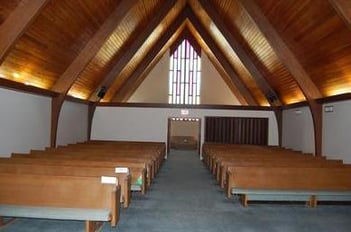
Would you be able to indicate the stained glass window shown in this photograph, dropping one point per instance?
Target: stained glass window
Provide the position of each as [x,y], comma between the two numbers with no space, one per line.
[184,75]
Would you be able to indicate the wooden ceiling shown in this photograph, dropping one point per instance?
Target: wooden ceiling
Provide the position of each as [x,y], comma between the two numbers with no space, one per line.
[268,52]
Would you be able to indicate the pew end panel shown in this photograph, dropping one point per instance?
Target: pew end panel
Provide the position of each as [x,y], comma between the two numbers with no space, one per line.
[246,195]
[307,184]
[59,197]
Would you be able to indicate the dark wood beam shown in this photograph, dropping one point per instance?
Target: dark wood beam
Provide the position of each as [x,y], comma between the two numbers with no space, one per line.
[284,53]
[56,105]
[132,88]
[182,106]
[124,91]
[278,112]
[336,98]
[9,84]
[221,57]
[227,79]
[295,105]
[240,51]
[91,112]
[153,63]
[17,23]
[217,64]
[343,8]
[317,116]
[288,58]
[71,74]
[128,54]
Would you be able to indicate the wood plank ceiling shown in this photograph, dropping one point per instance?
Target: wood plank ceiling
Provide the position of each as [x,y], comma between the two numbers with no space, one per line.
[268,52]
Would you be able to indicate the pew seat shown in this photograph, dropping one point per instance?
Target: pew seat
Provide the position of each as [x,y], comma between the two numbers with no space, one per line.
[55,213]
[310,184]
[310,197]
[124,179]
[91,199]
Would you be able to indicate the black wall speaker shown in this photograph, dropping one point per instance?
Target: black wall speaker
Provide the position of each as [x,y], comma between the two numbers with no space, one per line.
[271,96]
[102,92]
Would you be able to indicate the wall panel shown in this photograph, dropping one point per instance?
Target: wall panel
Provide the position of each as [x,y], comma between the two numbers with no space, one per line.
[337,131]
[73,123]
[298,131]
[24,122]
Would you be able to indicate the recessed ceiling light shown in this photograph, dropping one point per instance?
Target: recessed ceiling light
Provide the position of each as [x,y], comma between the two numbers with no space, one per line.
[15,75]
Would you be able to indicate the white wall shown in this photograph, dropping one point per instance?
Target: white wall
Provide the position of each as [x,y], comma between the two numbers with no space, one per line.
[337,131]
[185,128]
[150,124]
[73,123]
[298,131]
[24,122]
[213,88]
[154,88]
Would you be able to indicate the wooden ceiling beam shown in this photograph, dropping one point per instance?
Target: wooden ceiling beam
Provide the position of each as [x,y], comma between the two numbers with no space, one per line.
[267,90]
[126,89]
[128,54]
[220,69]
[221,57]
[17,23]
[71,74]
[130,90]
[226,78]
[288,58]
[343,8]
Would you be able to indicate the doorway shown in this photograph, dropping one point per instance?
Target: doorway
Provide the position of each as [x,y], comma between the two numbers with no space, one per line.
[184,134]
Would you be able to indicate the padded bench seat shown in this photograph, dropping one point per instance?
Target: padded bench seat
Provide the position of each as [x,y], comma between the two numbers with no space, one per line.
[333,196]
[55,213]
[311,197]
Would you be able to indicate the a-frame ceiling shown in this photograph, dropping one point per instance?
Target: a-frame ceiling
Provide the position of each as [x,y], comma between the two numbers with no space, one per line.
[268,52]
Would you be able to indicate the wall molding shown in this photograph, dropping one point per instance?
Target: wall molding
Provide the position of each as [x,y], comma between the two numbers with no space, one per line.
[178,106]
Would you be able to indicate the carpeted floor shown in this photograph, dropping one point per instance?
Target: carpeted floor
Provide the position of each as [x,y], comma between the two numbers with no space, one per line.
[184,197]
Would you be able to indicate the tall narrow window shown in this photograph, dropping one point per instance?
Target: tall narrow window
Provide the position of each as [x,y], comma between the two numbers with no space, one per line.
[184,75]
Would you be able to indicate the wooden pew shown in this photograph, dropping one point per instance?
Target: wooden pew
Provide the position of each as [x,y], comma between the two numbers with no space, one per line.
[157,148]
[151,155]
[273,162]
[160,146]
[241,153]
[311,184]
[60,170]
[59,197]
[151,164]
[137,170]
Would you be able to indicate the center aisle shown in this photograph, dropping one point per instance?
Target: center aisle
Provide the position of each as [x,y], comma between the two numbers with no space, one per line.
[185,197]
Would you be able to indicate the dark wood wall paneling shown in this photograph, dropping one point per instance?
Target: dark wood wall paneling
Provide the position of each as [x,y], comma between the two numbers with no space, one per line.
[236,130]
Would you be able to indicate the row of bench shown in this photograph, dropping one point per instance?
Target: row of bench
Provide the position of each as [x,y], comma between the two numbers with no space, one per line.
[270,173]
[85,181]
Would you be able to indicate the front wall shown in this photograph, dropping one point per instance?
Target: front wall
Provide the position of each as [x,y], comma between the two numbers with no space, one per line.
[211,82]
[150,124]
